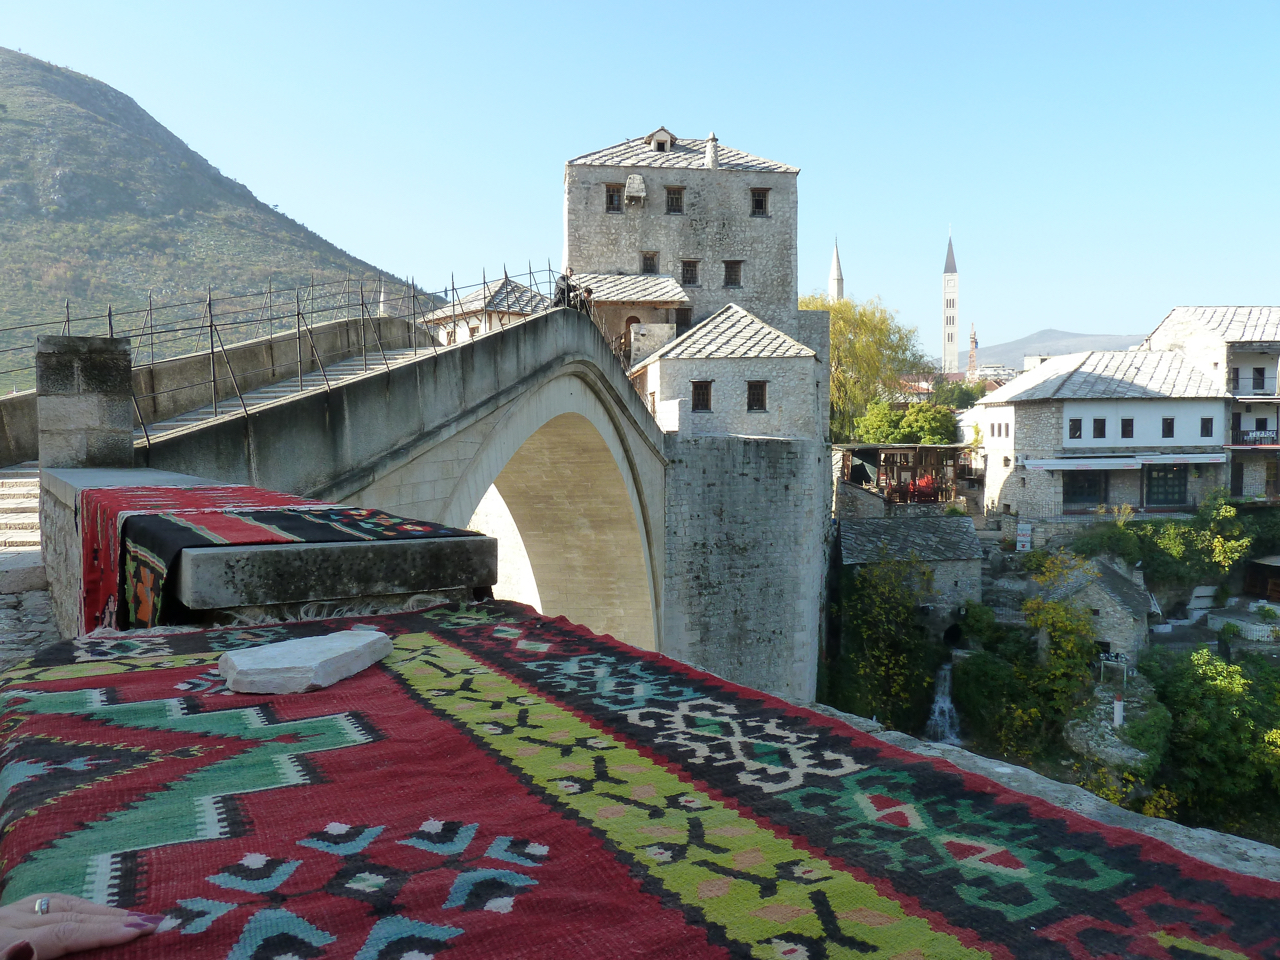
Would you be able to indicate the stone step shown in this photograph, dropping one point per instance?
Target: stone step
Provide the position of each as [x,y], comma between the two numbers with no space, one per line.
[20,521]
[29,505]
[19,538]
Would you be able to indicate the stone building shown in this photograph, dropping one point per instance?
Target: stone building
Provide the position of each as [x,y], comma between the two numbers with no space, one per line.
[738,379]
[720,221]
[1237,348]
[1118,602]
[1137,427]
[947,549]
[733,374]
[492,306]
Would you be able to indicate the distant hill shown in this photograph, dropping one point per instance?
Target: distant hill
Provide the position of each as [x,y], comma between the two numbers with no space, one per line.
[99,203]
[1053,343]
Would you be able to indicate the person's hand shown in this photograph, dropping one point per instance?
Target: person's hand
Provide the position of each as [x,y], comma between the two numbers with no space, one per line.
[70,925]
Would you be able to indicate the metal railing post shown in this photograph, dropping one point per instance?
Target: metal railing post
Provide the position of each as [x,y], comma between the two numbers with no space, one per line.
[213,363]
[227,360]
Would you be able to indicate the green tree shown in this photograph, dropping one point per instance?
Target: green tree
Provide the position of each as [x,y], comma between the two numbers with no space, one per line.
[880,424]
[957,395]
[885,668]
[926,423]
[871,355]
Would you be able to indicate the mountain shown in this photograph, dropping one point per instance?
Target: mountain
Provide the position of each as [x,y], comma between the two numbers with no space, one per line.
[99,203]
[1053,343]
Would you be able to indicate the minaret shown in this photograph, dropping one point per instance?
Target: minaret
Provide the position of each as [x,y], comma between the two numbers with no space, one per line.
[972,374]
[835,282]
[950,293]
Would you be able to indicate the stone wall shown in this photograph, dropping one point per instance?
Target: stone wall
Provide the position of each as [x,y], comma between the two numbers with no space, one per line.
[1010,486]
[716,226]
[955,581]
[746,549]
[791,403]
[1114,622]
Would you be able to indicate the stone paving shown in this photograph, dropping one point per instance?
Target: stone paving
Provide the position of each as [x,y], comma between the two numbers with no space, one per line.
[26,626]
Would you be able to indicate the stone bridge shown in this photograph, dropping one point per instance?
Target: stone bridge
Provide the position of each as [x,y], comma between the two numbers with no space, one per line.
[541,410]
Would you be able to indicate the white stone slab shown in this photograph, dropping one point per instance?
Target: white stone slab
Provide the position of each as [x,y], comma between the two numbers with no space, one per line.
[308,663]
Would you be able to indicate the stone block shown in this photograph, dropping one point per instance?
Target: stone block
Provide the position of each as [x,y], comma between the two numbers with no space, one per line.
[308,663]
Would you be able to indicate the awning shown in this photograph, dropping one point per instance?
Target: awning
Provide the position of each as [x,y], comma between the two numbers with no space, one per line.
[1123,463]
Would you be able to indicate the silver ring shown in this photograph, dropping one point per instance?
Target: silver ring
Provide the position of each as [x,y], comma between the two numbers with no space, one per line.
[42,906]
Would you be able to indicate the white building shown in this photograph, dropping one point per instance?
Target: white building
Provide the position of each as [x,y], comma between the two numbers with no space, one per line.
[1143,427]
[733,374]
[950,313]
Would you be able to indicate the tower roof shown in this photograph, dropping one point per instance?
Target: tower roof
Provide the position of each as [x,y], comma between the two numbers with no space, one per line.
[835,264]
[950,266]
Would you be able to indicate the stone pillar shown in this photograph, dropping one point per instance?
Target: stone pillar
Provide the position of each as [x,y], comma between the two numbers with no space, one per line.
[84,401]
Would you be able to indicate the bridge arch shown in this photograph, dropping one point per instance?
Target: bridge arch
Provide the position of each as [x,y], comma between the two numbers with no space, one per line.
[560,460]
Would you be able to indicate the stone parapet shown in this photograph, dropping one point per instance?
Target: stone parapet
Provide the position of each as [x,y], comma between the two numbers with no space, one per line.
[84,401]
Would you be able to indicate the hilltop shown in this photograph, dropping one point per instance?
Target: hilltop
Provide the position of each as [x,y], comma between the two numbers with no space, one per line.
[1053,343]
[100,203]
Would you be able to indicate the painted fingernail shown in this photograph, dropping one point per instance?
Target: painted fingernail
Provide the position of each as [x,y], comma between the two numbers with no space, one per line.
[141,924]
[20,951]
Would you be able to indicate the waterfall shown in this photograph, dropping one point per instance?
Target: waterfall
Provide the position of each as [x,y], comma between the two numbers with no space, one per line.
[944,723]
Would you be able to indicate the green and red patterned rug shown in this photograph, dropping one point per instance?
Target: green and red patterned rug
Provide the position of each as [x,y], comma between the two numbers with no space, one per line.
[505,785]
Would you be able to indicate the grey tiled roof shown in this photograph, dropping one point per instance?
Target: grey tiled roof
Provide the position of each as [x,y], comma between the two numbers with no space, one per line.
[904,538]
[683,153]
[504,296]
[1110,375]
[1136,599]
[631,288]
[1232,324]
[730,333]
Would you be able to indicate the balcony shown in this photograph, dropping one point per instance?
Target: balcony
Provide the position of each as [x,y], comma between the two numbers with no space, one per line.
[1253,438]
[1249,385]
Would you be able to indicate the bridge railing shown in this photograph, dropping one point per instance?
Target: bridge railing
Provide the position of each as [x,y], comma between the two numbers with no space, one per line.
[210,351]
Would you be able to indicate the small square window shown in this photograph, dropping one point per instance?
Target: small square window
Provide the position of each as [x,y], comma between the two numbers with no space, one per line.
[649,262]
[733,273]
[1206,426]
[701,394]
[1126,428]
[1166,428]
[756,394]
[759,202]
[1096,612]
[1260,423]
[613,198]
[689,273]
[675,199]
[475,332]
[660,146]
[1075,428]
[1099,428]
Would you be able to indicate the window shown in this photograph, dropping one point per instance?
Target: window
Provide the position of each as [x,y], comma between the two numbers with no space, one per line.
[1235,421]
[1259,378]
[701,394]
[1096,612]
[1006,461]
[1126,428]
[1084,487]
[475,332]
[675,199]
[1166,485]
[1075,428]
[1024,481]
[689,273]
[684,319]
[1166,428]
[1206,426]
[653,402]
[1259,423]
[733,273]
[649,261]
[660,146]
[756,392]
[759,203]
[1099,428]
[1006,430]
[613,198]
[451,338]
[1235,378]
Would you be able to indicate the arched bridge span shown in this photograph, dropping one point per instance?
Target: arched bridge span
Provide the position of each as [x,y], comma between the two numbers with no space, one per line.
[541,411]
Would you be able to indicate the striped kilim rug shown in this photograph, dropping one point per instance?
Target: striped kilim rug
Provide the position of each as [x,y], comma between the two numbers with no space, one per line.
[511,786]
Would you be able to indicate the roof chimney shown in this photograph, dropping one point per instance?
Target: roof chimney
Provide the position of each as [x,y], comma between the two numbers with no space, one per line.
[713,154]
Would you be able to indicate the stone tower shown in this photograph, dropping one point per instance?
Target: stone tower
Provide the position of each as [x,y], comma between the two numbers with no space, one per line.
[835,282]
[950,332]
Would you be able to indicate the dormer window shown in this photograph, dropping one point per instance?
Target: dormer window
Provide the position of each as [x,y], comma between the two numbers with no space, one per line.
[661,140]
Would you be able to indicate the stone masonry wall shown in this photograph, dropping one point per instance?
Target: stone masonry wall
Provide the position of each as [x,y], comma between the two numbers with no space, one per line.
[791,397]
[956,581]
[1035,433]
[747,526]
[716,226]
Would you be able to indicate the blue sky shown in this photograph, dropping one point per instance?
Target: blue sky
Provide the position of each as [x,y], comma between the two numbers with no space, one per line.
[1097,163]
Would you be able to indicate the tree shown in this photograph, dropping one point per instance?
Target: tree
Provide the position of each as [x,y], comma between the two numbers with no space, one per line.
[880,424]
[926,423]
[871,355]
[957,395]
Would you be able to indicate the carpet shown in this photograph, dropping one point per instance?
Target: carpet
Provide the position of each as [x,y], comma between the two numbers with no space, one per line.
[508,785]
